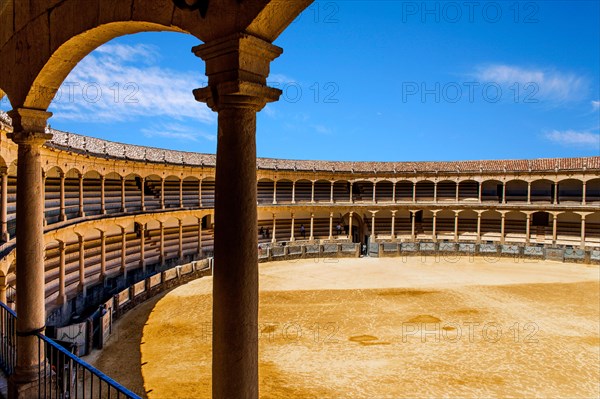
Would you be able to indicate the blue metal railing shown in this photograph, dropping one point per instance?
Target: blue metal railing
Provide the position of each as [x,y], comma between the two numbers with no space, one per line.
[8,339]
[61,375]
[65,376]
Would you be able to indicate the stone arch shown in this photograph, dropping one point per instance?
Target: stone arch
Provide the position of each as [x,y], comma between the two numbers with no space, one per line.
[516,190]
[341,191]
[384,190]
[491,190]
[468,189]
[284,190]
[265,189]
[58,36]
[303,190]
[570,190]
[404,190]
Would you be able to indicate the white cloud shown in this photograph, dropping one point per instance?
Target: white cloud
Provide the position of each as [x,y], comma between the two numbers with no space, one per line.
[121,83]
[178,132]
[322,129]
[595,105]
[574,138]
[549,85]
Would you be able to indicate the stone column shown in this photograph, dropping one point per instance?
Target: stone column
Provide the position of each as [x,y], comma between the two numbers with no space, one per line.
[393,223]
[200,192]
[394,192]
[312,193]
[292,232]
[29,134]
[434,191]
[478,226]
[3,288]
[504,192]
[62,217]
[143,201]
[350,226]
[123,203]
[479,192]
[583,193]
[555,200]
[583,230]
[554,228]
[143,247]
[312,222]
[528,193]
[180,250]
[330,225]
[161,246]
[374,191]
[331,193]
[102,255]
[434,232]
[351,200]
[412,224]
[294,192]
[4,236]
[237,68]
[273,239]
[181,192]
[162,193]
[275,192]
[373,225]
[81,200]
[102,195]
[456,226]
[414,199]
[62,298]
[45,221]
[200,254]
[502,224]
[527,228]
[123,251]
[81,248]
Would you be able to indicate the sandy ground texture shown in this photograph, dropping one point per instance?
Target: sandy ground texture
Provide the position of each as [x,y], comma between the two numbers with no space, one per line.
[383,328]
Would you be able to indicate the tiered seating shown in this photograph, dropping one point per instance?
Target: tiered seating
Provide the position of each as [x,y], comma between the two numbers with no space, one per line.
[362,191]
[284,191]
[425,191]
[404,191]
[446,191]
[341,191]
[322,191]
[265,192]
[384,191]
[113,256]
[468,190]
[208,193]
[303,191]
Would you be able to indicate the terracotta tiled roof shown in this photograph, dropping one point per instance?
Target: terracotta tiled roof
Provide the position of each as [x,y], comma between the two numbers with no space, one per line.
[103,148]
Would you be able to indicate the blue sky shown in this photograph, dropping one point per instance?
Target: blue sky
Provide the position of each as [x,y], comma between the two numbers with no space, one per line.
[371,80]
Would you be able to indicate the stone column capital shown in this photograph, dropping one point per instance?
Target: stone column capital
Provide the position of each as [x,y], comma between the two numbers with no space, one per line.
[29,126]
[237,67]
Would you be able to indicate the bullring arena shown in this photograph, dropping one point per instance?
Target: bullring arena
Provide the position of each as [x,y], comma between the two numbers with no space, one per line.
[461,293]
[136,272]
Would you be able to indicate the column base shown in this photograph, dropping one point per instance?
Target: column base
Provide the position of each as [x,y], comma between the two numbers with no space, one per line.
[61,300]
[123,210]
[5,237]
[25,389]
[62,217]
[81,214]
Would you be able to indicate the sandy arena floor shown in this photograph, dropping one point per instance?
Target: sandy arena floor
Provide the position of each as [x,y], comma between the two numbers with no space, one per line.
[383,328]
